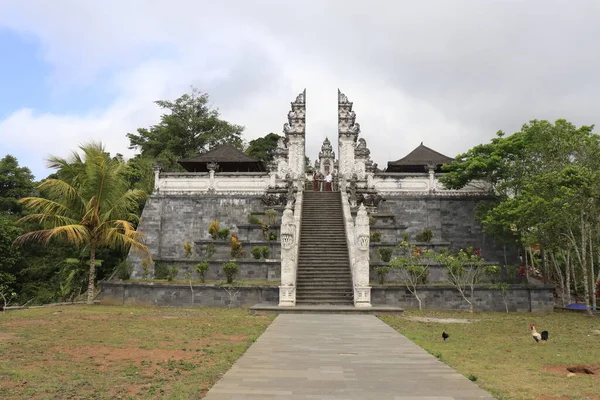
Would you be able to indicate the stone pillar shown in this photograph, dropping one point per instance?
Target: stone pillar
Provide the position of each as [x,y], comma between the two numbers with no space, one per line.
[431,169]
[156,168]
[294,131]
[348,131]
[362,290]
[212,167]
[289,243]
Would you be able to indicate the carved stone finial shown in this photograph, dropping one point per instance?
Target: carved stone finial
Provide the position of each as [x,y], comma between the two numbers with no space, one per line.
[157,166]
[212,166]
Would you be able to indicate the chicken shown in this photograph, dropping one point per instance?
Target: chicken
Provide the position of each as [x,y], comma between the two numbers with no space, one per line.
[445,336]
[538,336]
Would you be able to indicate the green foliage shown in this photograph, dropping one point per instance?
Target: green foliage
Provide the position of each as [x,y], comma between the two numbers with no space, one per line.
[413,265]
[271,215]
[187,248]
[372,220]
[376,236]
[209,250]
[124,270]
[145,268]
[382,272]
[257,252]
[235,246]
[424,236]
[385,253]
[503,288]
[265,252]
[223,233]
[405,236]
[164,271]
[472,378]
[213,229]
[88,205]
[15,182]
[273,236]
[10,256]
[201,269]
[253,219]
[230,269]
[265,230]
[263,148]
[188,127]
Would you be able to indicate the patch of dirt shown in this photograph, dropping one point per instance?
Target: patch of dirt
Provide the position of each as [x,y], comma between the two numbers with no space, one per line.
[443,320]
[6,336]
[573,369]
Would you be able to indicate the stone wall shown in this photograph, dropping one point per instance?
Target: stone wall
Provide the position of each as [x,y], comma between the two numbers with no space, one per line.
[520,298]
[169,221]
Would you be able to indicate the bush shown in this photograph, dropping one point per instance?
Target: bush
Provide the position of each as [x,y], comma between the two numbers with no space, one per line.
[213,229]
[209,250]
[124,270]
[202,268]
[271,215]
[265,252]
[372,220]
[385,253]
[163,271]
[375,236]
[230,269]
[424,236]
[187,248]
[173,271]
[257,252]
[382,273]
[272,236]
[223,233]
[405,236]
[235,246]
[253,219]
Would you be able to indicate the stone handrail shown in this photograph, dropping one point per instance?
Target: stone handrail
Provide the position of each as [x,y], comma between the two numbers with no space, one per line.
[212,183]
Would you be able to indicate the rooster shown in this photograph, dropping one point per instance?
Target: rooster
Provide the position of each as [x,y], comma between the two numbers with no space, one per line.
[537,336]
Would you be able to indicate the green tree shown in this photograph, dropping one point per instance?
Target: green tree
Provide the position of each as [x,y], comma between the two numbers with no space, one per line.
[188,127]
[89,206]
[263,148]
[10,256]
[15,182]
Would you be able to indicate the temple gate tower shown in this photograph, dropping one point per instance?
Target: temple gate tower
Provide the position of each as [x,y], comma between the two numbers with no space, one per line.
[326,161]
[295,130]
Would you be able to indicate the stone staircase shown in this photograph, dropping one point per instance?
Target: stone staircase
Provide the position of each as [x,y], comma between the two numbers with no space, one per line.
[323,264]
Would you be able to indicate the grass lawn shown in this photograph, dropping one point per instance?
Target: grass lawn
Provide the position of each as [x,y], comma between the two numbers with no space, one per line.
[499,352]
[104,352]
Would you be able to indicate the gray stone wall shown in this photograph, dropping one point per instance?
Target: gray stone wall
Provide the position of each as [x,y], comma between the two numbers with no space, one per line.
[451,218]
[169,221]
[177,295]
[520,298]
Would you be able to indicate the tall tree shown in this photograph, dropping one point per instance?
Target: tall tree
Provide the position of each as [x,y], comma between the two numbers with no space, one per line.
[89,205]
[15,182]
[263,148]
[188,127]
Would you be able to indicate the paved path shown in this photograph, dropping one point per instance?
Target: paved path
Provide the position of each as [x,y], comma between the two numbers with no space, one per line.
[334,357]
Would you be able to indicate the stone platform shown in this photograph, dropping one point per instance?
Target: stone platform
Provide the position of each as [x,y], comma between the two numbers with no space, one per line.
[273,308]
[335,357]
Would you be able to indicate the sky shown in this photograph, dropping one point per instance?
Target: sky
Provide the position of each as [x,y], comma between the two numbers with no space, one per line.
[449,74]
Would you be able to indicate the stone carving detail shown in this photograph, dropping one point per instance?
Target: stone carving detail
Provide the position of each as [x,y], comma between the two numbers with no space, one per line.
[270,200]
[287,293]
[361,258]
[370,200]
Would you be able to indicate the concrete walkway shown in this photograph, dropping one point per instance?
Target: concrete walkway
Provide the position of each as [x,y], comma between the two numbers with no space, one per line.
[334,357]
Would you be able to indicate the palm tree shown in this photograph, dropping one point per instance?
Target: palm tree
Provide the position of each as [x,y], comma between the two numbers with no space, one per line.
[89,205]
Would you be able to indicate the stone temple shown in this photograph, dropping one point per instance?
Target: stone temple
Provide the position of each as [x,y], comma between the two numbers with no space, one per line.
[315,247]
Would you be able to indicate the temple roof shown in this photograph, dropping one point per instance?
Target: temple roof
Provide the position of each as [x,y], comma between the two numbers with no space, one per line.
[229,158]
[419,157]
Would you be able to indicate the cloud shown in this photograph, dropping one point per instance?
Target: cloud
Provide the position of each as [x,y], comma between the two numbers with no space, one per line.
[447,73]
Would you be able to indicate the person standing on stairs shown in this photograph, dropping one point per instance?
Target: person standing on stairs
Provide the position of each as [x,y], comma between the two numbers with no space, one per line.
[328,180]
[316,181]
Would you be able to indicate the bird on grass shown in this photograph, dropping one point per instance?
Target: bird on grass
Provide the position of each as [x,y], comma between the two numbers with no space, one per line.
[538,336]
[445,336]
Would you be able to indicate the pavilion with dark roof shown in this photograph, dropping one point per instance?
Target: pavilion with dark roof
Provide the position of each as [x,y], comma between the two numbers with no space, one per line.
[228,157]
[419,160]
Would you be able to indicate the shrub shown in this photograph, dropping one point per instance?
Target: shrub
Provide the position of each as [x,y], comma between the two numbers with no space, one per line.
[124,270]
[230,269]
[265,230]
[202,268]
[385,253]
[405,236]
[271,215]
[253,219]
[213,229]
[173,271]
[145,269]
[209,250]
[223,233]
[375,236]
[265,252]
[235,246]
[187,248]
[257,252]
[372,220]
[163,271]
[382,273]
[425,235]
[272,236]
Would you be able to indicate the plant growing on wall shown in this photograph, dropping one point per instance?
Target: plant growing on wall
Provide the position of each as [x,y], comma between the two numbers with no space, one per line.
[253,219]
[382,273]
[209,250]
[257,252]
[424,236]
[213,229]
[188,276]
[372,220]
[187,248]
[163,271]
[385,253]
[235,246]
[201,269]
[230,269]
[223,233]
[265,252]
[463,270]
[503,288]
[375,236]
[405,236]
[271,215]
[272,236]
[413,265]
[145,269]
[265,230]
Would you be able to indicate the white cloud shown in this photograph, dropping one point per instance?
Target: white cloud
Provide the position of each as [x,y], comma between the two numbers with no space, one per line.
[447,73]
